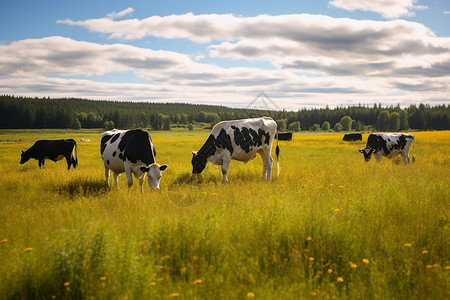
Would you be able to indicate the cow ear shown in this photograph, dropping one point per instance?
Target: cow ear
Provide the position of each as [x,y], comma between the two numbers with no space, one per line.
[361,150]
[163,167]
[145,169]
[194,153]
[23,152]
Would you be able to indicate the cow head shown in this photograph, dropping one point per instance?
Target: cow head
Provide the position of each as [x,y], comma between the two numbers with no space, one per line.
[154,174]
[367,153]
[198,163]
[24,157]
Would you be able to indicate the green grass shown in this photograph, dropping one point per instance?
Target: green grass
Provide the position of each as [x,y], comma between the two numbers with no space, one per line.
[304,235]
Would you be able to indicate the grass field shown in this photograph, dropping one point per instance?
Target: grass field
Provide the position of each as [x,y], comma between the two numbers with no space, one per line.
[329,226]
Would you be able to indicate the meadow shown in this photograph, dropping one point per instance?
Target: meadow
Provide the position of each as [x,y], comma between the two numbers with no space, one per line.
[329,226]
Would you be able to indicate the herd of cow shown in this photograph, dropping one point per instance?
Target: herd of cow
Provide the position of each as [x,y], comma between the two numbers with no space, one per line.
[132,151]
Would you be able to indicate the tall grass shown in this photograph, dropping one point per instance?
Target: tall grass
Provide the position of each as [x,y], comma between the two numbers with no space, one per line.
[330,226]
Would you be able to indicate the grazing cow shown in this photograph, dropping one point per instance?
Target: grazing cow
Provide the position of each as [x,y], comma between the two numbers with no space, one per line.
[132,152]
[285,136]
[389,145]
[351,137]
[239,140]
[54,150]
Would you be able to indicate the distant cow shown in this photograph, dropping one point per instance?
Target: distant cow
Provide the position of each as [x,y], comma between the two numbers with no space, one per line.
[132,152]
[389,145]
[239,140]
[285,136]
[351,137]
[54,150]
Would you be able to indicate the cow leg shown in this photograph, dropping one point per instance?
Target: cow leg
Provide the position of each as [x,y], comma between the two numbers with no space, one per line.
[107,175]
[225,166]
[267,165]
[69,162]
[405,157]
[129,176]
[141,182]
[42,163]
[116,179]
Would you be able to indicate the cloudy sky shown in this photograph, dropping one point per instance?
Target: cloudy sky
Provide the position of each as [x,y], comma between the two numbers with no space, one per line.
[308,53]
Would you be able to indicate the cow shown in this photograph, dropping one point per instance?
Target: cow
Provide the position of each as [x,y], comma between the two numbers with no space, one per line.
[239,140]
[351,137]
[132,152]
[285,136]
[54,150]
[389,145]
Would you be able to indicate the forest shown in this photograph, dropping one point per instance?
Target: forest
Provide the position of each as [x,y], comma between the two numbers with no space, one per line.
[27,112]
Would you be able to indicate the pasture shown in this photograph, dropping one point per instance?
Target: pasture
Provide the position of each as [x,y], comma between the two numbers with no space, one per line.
[329,226]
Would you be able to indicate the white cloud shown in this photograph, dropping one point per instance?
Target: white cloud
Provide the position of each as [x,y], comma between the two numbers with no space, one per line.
[120,14]
[390,9]
[315,59]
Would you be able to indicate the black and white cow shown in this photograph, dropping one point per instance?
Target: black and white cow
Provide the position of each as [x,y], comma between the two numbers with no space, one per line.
[389,145]
[54,150]
[239,140]
[351,137]
[132,152]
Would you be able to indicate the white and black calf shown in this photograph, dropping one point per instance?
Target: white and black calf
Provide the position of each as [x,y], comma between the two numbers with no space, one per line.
[389,145]
[54,150]
[132,152]
[238,140]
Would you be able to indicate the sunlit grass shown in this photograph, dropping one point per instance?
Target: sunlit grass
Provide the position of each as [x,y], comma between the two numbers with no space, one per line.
[330,226]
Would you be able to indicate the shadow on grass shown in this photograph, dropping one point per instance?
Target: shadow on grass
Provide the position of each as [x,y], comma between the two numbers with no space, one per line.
[191,179]
[83,188]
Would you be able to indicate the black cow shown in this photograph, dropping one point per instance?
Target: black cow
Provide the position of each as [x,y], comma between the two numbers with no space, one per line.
[389,145]
[239,140]
[351,137]
[54,150]
[132,152]
[285,136]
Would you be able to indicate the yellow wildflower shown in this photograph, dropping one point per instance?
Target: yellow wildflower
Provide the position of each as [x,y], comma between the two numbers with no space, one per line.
[66,284]
[153,283]
[408,245]
[311,258]
[250,295]
[3,241]
[165,257]
[365,261]
[308,238]
[102,278]
[336,210]
[314,293]
[341,186]
[174,295]
[429,266]
[197,281]
[330,271]
[28,249]
[425,251]
[447,268]
[340,279]
[353,266]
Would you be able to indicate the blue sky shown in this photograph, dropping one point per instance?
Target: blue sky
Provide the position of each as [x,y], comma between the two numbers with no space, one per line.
[300,53]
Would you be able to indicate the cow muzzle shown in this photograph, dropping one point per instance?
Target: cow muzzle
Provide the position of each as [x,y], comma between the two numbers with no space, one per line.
[155,189]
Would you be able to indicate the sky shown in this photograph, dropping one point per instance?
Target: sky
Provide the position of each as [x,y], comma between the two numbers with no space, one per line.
[301,54]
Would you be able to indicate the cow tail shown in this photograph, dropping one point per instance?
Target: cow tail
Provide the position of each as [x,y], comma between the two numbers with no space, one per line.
[74,156]
[414,146]
[277,151]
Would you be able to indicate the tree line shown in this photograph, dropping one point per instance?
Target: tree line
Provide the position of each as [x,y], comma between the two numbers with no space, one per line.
[27,112]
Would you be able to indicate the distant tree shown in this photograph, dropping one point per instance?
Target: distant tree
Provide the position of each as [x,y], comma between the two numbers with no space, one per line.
[360,126]
[190,127]
[315,127]
[165,122]
[383,121]
[394,121]
[282,124]
[338,127]
[108,125]
[326,126]
[346,123]
[294,126]
[404,120]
